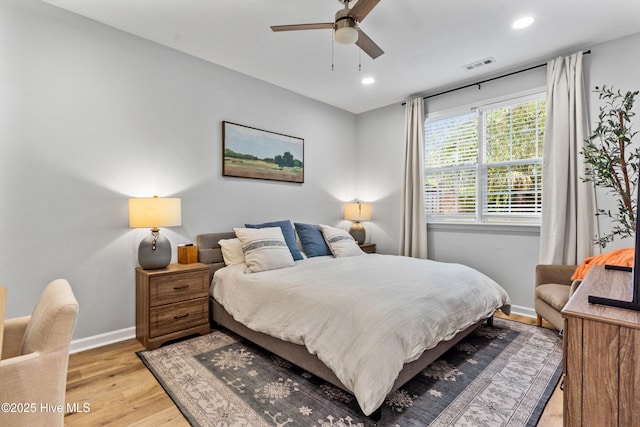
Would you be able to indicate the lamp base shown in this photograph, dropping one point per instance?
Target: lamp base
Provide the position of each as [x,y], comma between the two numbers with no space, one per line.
[358,232]
[154,251]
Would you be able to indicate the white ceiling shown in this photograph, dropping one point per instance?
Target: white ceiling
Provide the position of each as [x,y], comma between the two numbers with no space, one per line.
[426,42]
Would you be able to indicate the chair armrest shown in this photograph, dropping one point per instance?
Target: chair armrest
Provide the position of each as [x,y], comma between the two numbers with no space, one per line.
[14,371]
[13,334]
[34,379]
[554,273]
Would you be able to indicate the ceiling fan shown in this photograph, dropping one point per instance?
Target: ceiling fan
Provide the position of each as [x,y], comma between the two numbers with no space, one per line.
[345,27]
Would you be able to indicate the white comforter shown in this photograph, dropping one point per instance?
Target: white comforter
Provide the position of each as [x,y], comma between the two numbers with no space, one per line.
[363,316]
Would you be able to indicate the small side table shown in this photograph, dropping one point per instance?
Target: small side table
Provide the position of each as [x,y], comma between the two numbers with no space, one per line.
[369,248]
[171,302]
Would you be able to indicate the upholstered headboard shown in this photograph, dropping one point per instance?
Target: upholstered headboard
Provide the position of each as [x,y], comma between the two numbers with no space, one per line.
[209,250]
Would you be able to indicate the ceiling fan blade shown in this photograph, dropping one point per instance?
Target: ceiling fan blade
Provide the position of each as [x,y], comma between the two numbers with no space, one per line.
[295,27]
[368,46]
[362,9]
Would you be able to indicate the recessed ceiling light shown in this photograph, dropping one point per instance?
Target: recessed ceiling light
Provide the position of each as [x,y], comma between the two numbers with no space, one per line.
[368,80]
[521,23]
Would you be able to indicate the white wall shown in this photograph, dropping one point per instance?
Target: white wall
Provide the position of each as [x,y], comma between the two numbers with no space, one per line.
[380,158]
[90,116]
[615,63]
[509,255]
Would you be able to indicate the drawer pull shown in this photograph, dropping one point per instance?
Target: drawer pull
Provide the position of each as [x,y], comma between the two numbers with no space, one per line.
[184,316]
[178,288]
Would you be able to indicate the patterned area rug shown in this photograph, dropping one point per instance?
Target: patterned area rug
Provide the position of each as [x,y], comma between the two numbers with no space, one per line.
[497,376]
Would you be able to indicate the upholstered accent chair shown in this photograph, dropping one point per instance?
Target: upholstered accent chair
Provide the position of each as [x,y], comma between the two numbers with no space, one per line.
[35,356]
[553,289]
[3,300]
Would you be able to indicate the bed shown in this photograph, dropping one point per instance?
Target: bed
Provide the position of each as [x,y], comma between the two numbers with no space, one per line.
[290,342]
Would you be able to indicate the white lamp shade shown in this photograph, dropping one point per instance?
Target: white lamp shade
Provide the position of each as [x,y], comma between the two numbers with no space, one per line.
[345,35]
[357,211]
[154,212]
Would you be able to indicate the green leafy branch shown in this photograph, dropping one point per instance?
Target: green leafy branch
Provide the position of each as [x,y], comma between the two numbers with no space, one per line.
[612,164]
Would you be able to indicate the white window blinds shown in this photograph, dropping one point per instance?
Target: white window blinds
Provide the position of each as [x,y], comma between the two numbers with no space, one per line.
[451,156]
[485,166]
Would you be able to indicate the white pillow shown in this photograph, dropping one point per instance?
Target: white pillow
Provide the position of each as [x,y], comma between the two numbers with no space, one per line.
[340,242]
[231,251]
[264,249]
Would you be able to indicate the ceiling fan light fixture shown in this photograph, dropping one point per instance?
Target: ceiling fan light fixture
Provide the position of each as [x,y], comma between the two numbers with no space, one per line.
[345,27]
[345,34]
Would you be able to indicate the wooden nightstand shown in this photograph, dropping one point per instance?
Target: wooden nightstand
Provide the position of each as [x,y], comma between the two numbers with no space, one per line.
[369,248]
[171,303]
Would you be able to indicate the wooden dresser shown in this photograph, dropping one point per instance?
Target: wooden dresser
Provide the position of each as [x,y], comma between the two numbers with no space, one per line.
[601,354]
[171,303]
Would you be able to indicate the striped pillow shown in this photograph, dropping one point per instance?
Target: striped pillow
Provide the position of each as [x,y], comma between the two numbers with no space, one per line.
[340,242]
[264,249]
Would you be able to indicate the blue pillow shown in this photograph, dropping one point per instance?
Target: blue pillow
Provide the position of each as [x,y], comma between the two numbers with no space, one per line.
[312,240]
[287,232]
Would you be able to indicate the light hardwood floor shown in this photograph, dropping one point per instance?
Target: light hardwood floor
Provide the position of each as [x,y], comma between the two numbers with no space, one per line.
[116,389]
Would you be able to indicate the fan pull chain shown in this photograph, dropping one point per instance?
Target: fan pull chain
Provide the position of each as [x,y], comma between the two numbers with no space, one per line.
[359,59]
[332,47]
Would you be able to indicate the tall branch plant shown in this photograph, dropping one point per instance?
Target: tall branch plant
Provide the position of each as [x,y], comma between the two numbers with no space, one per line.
[612,163]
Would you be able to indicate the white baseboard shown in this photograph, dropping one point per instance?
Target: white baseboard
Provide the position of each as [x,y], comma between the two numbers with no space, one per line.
[100,340]
[523,311]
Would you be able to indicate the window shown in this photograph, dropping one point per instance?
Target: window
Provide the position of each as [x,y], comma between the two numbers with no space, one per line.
[485,166]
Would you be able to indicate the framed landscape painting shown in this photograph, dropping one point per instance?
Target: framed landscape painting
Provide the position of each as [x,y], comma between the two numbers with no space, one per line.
[253,153]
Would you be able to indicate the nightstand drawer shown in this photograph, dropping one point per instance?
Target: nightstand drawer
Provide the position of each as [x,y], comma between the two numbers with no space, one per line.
[171,303]
[168,288]
[176,317]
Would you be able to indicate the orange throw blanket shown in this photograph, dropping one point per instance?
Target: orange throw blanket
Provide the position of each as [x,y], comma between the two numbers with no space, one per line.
[621,257]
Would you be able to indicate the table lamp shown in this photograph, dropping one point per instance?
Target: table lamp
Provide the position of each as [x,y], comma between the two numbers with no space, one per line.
[152,212]
[357,212]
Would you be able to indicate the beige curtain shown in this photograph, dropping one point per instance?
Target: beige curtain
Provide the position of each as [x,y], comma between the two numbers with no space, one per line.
[568,224]
[413,238]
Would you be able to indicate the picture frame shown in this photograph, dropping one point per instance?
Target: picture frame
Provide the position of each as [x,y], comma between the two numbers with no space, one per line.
[248,152]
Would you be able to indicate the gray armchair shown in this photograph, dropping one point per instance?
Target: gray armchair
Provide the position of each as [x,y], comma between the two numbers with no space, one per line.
[552,291]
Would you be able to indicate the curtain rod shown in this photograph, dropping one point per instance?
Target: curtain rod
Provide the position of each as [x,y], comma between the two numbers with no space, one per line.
[586,52]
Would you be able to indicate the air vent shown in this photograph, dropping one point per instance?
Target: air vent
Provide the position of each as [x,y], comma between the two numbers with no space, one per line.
[478,64]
